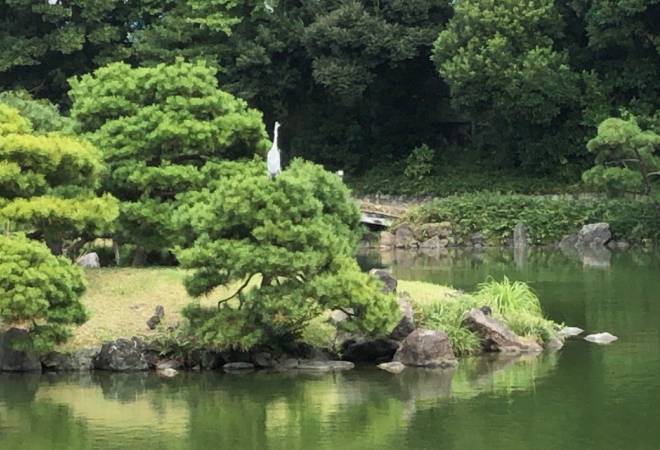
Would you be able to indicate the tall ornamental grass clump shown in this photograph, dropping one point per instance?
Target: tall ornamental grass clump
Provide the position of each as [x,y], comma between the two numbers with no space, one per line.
[513,302]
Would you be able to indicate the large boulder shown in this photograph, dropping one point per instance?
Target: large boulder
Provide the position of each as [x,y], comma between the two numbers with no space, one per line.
[440,230]
[386,278]
[122,355]
[387,239]
[594,235]
[404,237]
[89,261]
[434,243]
[77,361]
[495,336]
[369,350]
[13,360]
[426,348]
[406,324]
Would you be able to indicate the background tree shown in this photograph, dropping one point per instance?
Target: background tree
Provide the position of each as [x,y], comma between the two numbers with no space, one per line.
[47,185]
[500,62]
[288,242]
[158,127]
[43,44]
[44,116]
[627,158]
[40,291]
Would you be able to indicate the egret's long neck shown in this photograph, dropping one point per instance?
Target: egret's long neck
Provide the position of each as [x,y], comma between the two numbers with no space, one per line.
[275,138]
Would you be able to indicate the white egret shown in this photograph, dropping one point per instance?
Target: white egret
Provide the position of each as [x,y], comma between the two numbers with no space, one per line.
[273,160]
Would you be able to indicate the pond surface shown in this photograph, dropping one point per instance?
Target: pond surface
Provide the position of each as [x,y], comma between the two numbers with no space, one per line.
[584,397]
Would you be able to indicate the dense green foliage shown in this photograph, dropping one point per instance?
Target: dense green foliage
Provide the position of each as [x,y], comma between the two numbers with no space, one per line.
[627,158]
[512,302]
[513,86]
[44,116]
[547,219]
[39,291]
[288,242]
[158,127]
[47,185]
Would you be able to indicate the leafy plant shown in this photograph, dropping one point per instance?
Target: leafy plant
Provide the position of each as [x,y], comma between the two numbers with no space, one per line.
[419,163]
[39,291]
[447,316]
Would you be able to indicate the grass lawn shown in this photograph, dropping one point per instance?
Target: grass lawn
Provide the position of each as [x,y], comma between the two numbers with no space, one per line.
[120,301]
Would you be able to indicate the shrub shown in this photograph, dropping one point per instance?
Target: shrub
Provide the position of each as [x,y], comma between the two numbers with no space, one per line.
[288,242]
[419,163]
[39,291]
[447,316]
[548,219]
[47,185]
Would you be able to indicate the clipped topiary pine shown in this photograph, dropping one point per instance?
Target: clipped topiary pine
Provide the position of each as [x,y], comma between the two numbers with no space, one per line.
[39,291]
[47,185]
[284,246]
[158,127]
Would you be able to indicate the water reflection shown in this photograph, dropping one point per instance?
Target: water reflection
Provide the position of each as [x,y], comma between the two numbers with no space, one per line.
[244,411]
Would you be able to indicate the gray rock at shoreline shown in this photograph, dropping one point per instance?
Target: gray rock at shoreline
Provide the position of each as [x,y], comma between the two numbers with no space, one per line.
[157,317]
[571,331]
[387,239]
[89,261]
[594,235]
[324,366]
[369,350]
[389,282]
[12,360]
[495,336]
[78,361]
[441,230]
[405,237]
[434,243]
[394,367]
[406,324]
[238,367]
[426,348]
[122,355]
[601,338]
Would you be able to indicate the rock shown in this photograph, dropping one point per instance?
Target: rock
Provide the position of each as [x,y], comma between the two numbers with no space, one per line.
[389,282]
[594,235]
[554,343]
[324,366]
[426,348]
[167,372]
[520,238]
[369,350]
[496,336]
[210,359]
[387,239]
[568,242]
[122,355]
[13,360]
[169,364]
[477,239]
[392,367]
[434,243]
[286,364]
[154,320]
[601,338]
[89,261]
[264,360]
[337,316]
[571,332]
[406,324]
[80,360]
[441,230]
[405,237]
[238,366]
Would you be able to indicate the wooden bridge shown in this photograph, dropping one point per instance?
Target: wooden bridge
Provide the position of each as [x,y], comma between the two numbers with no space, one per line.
[378,216]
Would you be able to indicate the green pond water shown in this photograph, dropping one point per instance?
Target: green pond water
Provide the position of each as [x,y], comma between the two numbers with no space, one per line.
[583,397]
